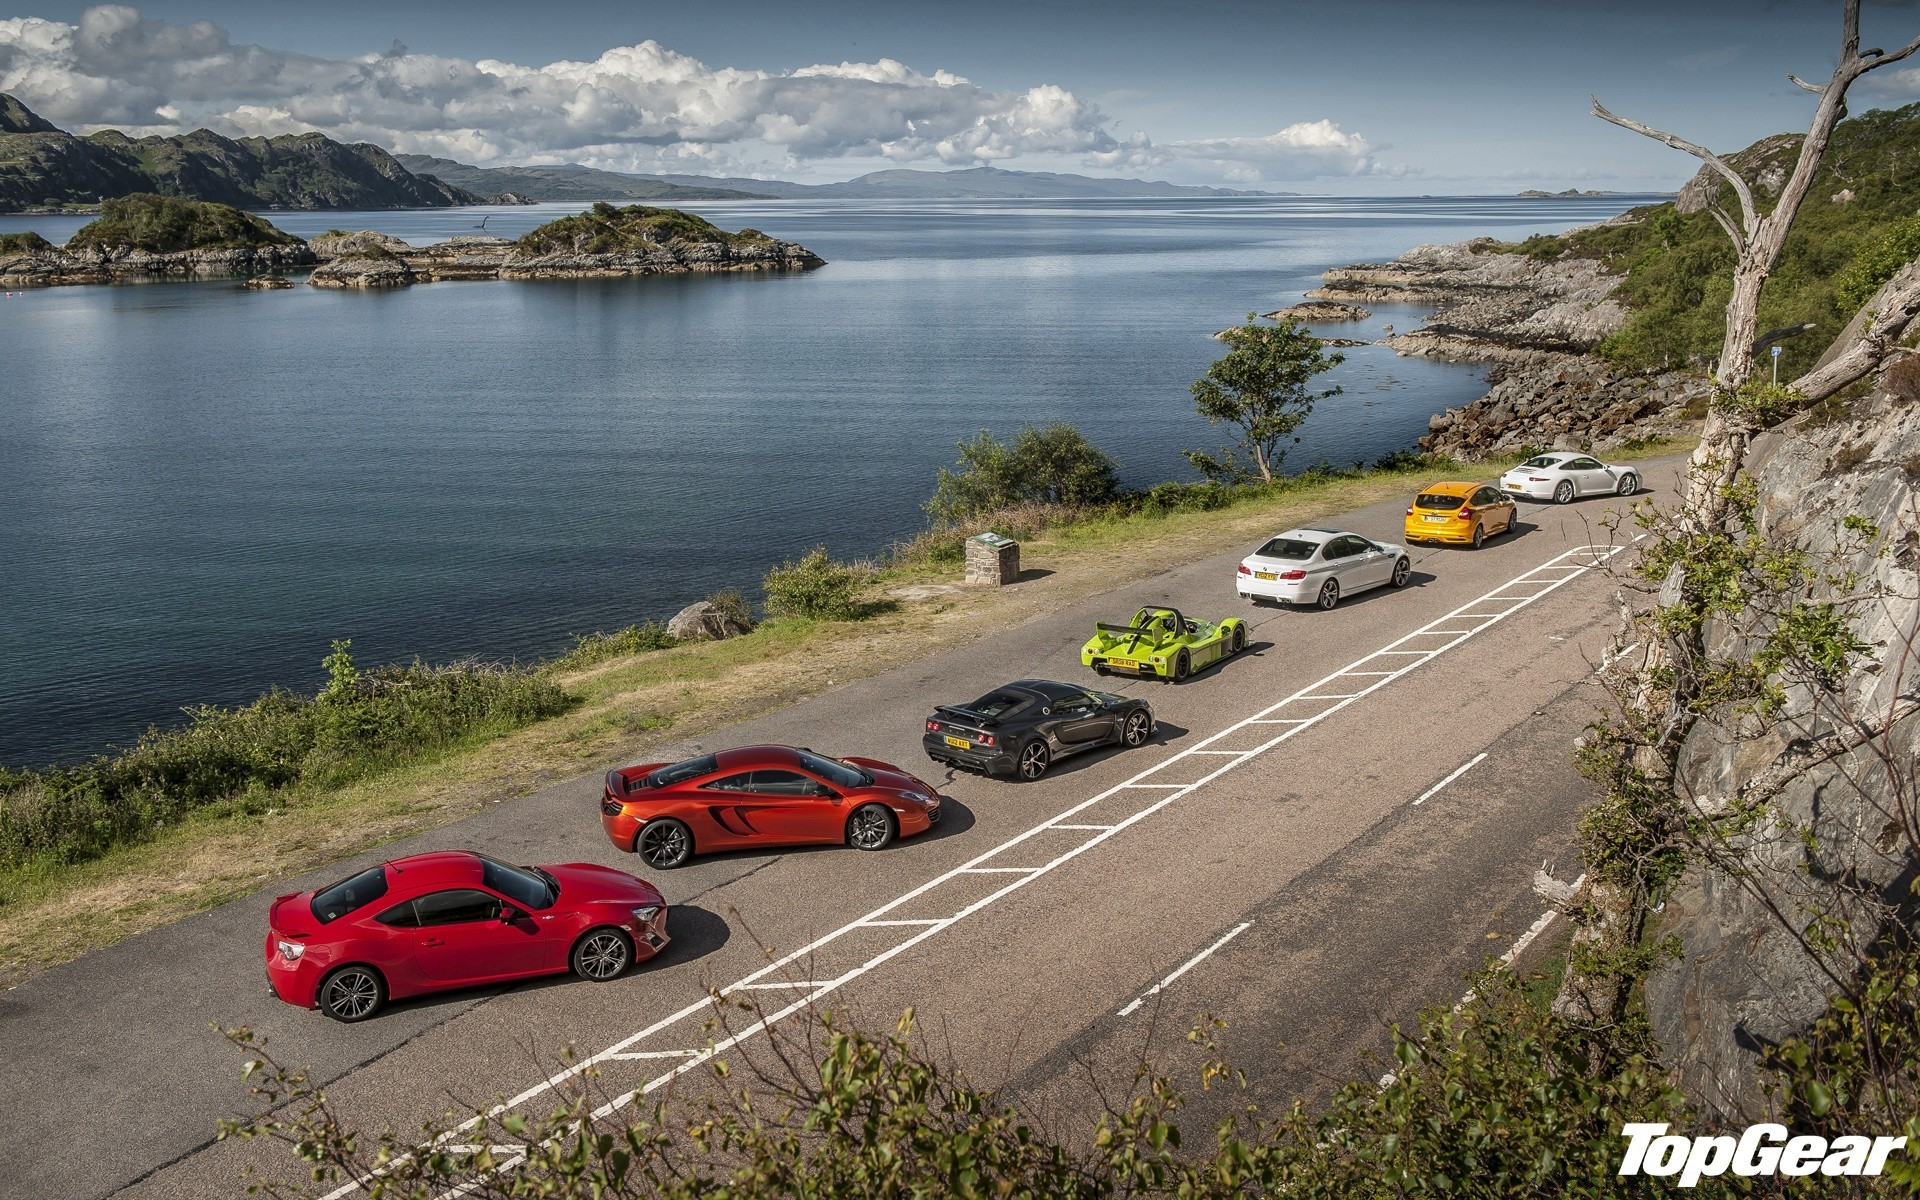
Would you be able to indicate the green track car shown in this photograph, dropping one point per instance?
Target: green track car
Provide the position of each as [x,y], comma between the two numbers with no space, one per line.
[1162,644]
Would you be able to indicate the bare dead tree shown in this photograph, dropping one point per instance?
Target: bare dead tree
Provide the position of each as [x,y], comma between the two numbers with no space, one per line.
[1758,241]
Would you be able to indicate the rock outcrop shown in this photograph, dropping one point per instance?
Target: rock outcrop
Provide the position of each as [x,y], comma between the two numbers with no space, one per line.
[1838,839]
[1563,402]
[1319,312]
[704,620]
[99,264]
[478,257]
[1536,321]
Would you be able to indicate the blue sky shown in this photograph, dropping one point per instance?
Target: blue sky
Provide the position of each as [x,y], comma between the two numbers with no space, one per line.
[1369,96]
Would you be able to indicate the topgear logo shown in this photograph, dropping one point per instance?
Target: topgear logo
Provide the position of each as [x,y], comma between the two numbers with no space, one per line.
[1763,1149]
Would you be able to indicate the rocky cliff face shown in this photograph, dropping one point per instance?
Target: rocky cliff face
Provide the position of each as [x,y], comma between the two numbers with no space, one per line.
[112,264]
[370,260]
[1842,836]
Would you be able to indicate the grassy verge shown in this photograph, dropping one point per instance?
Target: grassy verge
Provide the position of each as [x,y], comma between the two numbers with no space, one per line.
[627,699]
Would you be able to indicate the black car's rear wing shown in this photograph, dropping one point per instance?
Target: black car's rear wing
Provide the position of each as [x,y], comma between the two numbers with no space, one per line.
[954,712]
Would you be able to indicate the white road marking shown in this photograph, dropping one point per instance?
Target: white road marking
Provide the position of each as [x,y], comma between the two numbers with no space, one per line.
[1462,769]
[1183,968]
[643,1054]
[697,1009]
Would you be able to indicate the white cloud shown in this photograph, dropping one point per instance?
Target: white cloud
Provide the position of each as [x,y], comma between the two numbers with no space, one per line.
[1303,150]
[640,107]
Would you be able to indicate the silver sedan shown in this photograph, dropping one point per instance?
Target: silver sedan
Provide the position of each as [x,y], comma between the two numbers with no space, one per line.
[1318,566]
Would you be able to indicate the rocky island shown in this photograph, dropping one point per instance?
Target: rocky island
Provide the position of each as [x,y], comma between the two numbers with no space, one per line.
[603,242]
[149,237]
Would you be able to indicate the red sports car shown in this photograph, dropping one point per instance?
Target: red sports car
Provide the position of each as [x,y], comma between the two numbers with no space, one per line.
[761,796]
[451,920]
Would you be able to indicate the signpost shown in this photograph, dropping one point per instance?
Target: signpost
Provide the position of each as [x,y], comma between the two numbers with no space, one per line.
[1776,366]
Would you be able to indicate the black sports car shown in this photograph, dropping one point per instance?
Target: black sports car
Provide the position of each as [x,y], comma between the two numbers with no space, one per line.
[1023,727]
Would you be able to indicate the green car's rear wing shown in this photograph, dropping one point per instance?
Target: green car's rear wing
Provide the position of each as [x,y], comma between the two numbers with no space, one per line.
[1127,630]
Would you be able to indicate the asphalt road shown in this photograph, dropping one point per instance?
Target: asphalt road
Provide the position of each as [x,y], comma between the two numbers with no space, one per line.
[1273,817]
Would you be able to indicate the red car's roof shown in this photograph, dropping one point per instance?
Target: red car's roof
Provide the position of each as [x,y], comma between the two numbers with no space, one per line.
[757,756]
[442,868]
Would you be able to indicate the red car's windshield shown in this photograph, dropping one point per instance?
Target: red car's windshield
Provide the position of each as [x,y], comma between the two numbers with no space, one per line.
[529,887]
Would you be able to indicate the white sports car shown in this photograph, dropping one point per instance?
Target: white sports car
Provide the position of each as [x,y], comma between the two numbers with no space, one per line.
[1318,566]
[1565,474]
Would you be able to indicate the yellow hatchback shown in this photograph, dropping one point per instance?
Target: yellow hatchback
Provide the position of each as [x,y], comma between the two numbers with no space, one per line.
[1460,514]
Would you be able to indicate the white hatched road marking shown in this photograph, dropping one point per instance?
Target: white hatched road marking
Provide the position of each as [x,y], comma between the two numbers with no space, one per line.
[1594,555]
[1183,968]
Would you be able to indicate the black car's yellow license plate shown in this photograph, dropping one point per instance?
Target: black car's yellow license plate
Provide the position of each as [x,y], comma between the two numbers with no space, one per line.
[959,743]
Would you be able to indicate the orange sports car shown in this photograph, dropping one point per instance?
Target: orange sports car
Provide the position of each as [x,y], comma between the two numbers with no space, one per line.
[1460,514]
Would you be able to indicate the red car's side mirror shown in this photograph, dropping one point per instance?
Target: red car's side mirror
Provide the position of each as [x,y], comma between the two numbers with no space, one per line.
[509,914]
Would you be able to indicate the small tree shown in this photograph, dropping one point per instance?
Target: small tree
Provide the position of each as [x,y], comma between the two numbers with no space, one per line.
[1261,387]
[1046,464]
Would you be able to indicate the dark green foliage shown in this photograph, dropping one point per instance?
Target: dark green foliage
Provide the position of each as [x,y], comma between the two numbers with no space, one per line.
[1045,464]
[1499,1099]
[1678,267]
[362,722]
[1260,386]
[591,648]
[815,586]
[604,229]
[162,225]
[23,243]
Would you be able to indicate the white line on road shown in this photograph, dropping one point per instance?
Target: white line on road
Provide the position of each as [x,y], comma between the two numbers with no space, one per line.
[1183,968]
[1458,771]
[1596,555]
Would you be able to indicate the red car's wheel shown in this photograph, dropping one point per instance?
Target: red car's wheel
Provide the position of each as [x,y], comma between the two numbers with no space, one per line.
[602,954]
[664,844]
[870,827]
[352,993]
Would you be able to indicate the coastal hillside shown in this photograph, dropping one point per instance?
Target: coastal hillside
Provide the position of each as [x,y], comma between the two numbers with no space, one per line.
[45,168]
[1674,263]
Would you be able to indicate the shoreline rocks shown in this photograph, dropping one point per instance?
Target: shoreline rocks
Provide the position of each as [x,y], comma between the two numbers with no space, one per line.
[95,264]
[373,260]
[1536,322]
[1319,312]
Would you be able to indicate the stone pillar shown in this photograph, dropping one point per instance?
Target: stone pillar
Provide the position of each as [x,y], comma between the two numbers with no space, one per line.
[992,559]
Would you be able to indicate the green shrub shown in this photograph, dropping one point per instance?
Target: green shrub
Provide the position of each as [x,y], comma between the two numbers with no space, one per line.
[163,225]
[815,586]
[604,229]
[1047,464]
[733,602]
[23,243]
[361,723]
[597,647]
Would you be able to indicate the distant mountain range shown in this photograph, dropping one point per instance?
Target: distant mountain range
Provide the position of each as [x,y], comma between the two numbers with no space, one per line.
[571,182]
[44,167]
[575,182]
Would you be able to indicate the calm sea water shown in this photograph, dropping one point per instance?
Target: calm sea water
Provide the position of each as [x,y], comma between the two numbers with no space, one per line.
[200,486]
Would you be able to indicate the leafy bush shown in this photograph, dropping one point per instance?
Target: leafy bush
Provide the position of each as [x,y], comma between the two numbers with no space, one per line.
[163,225]
[591,648]
[23,243]
[1499,1099]
[815,586]
[359,724]
[1047,464]
[733,602]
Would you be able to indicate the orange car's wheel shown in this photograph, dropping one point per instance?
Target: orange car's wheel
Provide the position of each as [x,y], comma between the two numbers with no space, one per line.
[664,844]
[870,827]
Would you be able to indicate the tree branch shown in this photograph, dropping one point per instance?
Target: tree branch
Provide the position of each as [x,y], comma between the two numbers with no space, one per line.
[1726,222]
[1869,338]
[1804,754]
[1707,156]
[1817,89]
